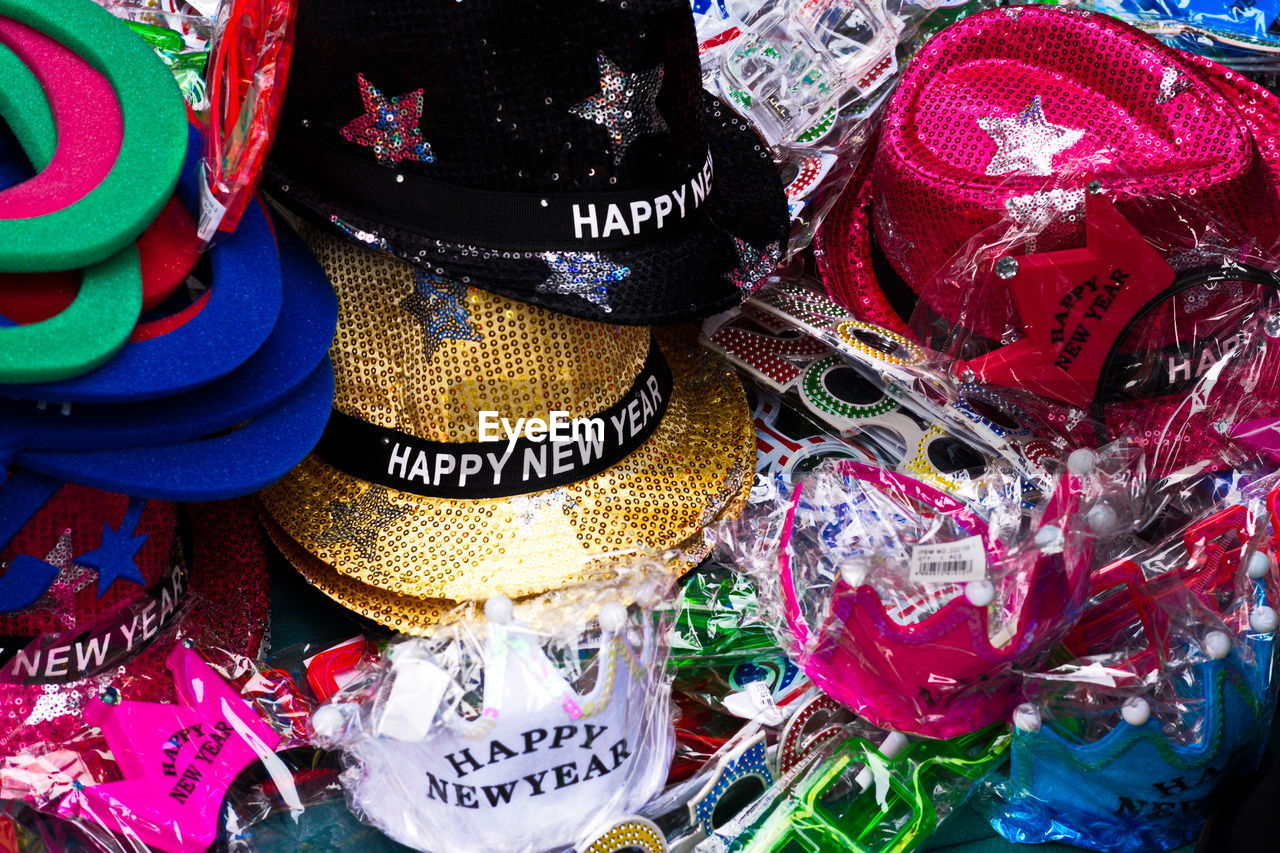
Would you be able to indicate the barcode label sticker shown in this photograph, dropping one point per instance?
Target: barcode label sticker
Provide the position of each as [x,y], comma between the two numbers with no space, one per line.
[212,211]
[762,697]
[949,562]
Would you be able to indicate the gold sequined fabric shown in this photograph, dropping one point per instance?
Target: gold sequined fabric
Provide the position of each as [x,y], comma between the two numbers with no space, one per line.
[404,613]
[419,615]
[423,355]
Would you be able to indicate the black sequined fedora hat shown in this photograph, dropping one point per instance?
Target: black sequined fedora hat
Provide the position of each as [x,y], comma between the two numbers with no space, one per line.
[561,153]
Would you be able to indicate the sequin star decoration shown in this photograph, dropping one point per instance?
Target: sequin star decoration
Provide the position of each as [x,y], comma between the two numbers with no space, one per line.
[585,274]
[177,761]
[440,306]
[114,559]
[59,598]
[63,700]
[1172,84]
[526,508]
[1026,143]
[360,522]
[718,501]
[754,265]
[389,126]
[359,234]
[626,105]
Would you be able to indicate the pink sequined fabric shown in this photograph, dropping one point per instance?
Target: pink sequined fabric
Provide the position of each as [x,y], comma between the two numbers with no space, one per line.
[1004,106]
[223,608]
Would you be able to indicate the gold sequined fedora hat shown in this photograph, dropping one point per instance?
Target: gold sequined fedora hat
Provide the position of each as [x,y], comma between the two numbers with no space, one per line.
[649,441]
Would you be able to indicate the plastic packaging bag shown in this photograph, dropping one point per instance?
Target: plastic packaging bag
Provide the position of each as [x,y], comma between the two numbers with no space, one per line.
[1161,326]
[907,606]
[810,75]
[1170,693]
[525,731]
[248,70]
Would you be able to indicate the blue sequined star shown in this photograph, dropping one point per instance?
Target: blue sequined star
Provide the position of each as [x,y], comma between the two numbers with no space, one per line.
[585,274]
[438,304]
[114,558]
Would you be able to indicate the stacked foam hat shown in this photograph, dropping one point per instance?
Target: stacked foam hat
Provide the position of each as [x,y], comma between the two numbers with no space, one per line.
[135,371]
[504,223]
[130,362]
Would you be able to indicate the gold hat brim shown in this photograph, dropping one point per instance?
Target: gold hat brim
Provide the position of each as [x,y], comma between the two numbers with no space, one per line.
[695,467]
[404,613]
[413,615]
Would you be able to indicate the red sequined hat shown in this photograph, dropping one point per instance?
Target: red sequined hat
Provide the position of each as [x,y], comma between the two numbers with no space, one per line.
[96,589]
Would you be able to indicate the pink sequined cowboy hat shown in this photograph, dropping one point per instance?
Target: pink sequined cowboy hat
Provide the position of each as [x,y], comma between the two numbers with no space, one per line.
[95,590]
[1005,104]
[1016,118]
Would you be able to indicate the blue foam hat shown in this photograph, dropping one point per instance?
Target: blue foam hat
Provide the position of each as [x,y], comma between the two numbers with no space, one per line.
[230,437]
[230,322]
[291,354]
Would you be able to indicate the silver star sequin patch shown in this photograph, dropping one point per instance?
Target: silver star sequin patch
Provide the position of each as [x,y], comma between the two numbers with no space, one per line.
[1038,210]
[59,600]
[585,274]
[626,105]
[1026,143]
[1172,84]
[754,265]
[525,508]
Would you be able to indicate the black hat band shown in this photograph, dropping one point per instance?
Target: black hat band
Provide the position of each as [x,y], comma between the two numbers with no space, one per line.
[524,222]
[497,469]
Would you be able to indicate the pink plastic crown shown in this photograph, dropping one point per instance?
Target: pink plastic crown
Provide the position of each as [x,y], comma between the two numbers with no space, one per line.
[942,676]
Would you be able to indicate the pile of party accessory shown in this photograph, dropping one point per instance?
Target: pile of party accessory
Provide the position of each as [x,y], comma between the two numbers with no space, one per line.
[993,525]
[810,76]
[173,375]
[1170,693]
[137,370]
[523,225]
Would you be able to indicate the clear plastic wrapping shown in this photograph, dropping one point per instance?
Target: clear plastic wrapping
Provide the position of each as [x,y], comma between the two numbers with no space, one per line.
[248,69]
[1156,321]
[1168,691]
[1238,35]
[723,650]
[180,32]
[526,731]
[156,775]
[864,790]
[911,608]
[888,400]
[810,75]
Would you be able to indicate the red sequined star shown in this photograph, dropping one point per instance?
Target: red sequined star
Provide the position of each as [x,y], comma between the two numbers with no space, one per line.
[389,126]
